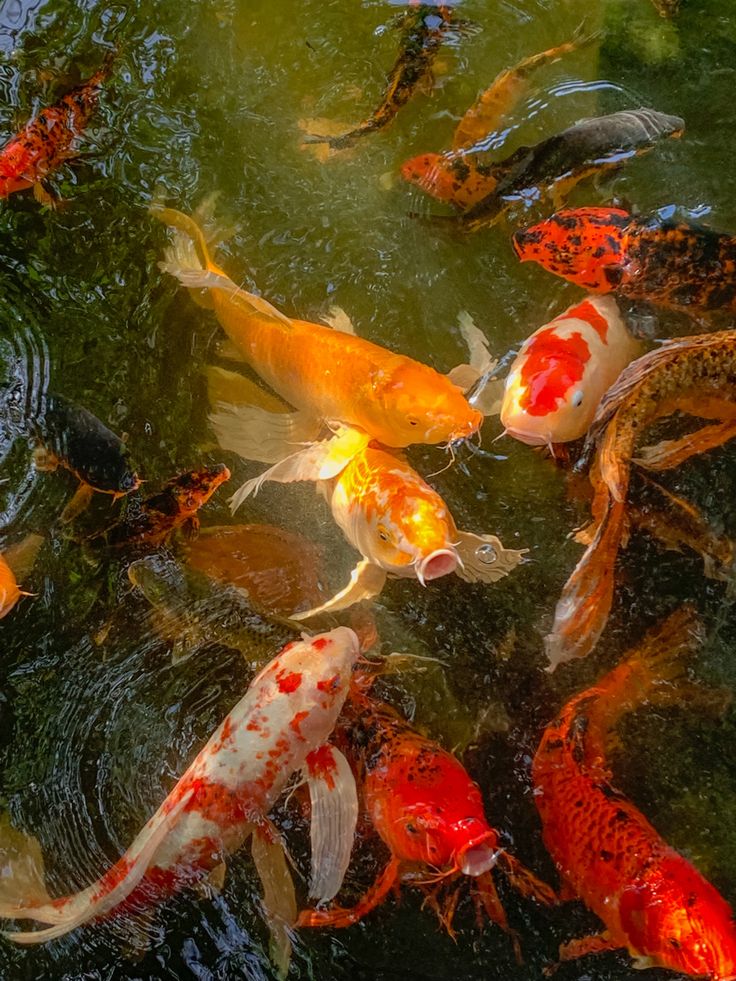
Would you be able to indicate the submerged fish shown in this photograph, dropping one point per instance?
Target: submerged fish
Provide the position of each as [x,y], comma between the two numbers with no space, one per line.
[563,370]
[152,521]
[457,179]
[429,813]
[673,264]
[327,375]
[692,375]
[71,437]
[651,900]
[423,28]
[16,562]
[558,163]
[280,726]
[192,611]
[49,139]
[403,528]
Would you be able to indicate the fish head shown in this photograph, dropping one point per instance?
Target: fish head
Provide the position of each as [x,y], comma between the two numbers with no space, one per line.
[413,403]
[582,245]
[674,918]
[395,519]
[194,488]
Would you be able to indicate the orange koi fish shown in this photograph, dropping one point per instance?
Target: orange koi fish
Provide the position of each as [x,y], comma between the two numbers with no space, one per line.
[651,900]
[430,814]
[562,371]
[50,138]
[423,29]
[280,726]
[692,375]
[17,561]
[457,179]
[385,396]
[673,264]
[403,528]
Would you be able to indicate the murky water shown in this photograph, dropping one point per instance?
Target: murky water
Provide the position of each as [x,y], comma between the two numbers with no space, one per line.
[208,96]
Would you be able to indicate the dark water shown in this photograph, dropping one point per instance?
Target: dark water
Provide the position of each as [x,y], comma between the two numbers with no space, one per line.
[208,96]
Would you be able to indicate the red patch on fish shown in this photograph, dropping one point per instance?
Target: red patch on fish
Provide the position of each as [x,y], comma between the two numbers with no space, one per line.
[329,684]
[586,311]
[319,643]
[552,366]
[289,683]
[321,763]
[296,722]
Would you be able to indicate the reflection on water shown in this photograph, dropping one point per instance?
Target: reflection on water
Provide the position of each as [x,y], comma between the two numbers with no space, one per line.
[209,97]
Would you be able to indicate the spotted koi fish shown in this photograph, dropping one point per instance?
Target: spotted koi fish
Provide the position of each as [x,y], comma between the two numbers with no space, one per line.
[651,900]
[692,375]
[369,392]
[673,264]
[403,528]
[430,814]
[278,728]
[152,521]
[423,28]
[50,138]
[562,371]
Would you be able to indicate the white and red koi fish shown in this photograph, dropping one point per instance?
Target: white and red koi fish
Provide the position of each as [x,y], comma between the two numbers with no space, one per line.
[403,528]
[279,727]
[563,370]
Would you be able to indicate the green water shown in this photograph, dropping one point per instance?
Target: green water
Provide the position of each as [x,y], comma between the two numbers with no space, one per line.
[208,96]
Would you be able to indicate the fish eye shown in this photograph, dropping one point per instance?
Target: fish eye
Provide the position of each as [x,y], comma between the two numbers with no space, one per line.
[413,422]
[383,534]
[577,398]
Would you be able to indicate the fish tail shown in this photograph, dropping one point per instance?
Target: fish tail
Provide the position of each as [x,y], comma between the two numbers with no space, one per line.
[188,256]
[101,897]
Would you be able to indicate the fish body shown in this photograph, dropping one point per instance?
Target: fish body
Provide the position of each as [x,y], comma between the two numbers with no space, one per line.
[692,375]
[563,370]
[10,592]
[423,29]
[288,712]
[328,374]
[75,439]
[652,901]
[16,563]
[152,521]
[590,146]
[49,139]
[457,179]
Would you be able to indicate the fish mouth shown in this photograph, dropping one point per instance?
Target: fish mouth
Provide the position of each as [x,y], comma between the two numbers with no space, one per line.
[478,856]
[439,563]
[531,439]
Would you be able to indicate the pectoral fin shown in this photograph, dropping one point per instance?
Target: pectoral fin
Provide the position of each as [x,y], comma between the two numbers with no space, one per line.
[317,461]
[487,393]
[339,320]
[366,581]
[233,388]
[256,434]
[480,357]
[279,898]
[483,557]
[334,800]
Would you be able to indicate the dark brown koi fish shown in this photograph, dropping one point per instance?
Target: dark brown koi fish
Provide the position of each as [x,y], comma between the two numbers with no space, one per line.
[423,28]
[690,375]
[49,139]
[176,506]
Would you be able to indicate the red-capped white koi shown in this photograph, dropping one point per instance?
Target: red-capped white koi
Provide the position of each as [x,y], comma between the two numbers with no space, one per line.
[279,727]
[563,370]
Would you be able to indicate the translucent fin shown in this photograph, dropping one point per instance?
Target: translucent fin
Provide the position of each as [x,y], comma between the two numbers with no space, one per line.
[279,898]
[235,389]
[334,798]
[483,557]
[480,356]
[256,434]
[366,581]
[317,461]
[339,320]
[22,556]
[21,872]
[79,503]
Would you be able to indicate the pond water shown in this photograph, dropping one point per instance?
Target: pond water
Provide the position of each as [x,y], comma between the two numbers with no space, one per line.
[208,97]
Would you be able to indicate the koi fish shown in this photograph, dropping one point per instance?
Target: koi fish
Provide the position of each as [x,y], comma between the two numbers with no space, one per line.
[563,370]
[557,164]
[49,139]
[152,521]
[192,611]
[651,900]
[692,375]
[457,179]
[16,562]
[278,728]
[429,813]
[71,437]
[403,528]
[382,395]
[423,28]
[674,264]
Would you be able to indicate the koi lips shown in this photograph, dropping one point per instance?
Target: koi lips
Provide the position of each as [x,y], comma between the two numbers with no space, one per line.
[441,562]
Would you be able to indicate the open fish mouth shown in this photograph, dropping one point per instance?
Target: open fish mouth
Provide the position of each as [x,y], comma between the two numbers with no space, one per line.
[441,562]
[478,857]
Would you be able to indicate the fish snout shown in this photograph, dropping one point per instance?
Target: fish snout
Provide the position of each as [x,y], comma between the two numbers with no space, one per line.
[439,563]
[478,857]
